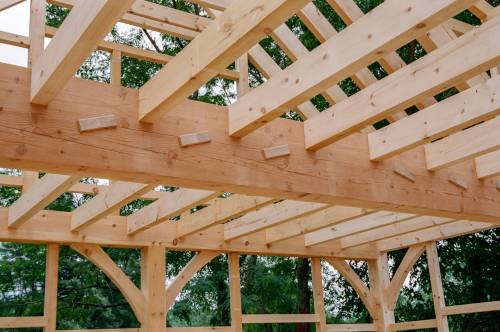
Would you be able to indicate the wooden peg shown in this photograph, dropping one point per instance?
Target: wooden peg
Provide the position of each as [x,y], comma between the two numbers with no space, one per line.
[100,122]
[401,170]
[277,151]
[458,181]
[193,139]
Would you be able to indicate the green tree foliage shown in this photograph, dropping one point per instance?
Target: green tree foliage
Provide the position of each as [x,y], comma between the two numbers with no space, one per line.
[88,299]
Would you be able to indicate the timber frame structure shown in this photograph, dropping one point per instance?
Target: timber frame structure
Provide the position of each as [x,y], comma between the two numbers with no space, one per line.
[331,187]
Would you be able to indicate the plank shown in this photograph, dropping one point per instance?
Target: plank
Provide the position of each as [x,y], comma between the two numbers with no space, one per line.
[467,144]
[437,287]
[78,36]
[279,319]
[226,164]
[350,327]
[472,308]
[423,78]
[458,112]
[36,31]
[22,322]
[51,284]
[6,4]
[415,325]
[43,192]
[488,165]
[318,295]
[328,64]
[235,292]
[234,32]
[153,278]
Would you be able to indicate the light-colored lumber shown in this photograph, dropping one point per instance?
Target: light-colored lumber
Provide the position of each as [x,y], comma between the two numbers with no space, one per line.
[328,64]
[415,325]
[467,108]
[219,211]
[118,195]
[272,215]
[472,308]
[276,151]
[405,87]
[12,39]
[488,165]
[194,138]
[51,283]
[116,67]
[98,257]
[341,174]
[355,226]
[457,181]
[22,322]
[195,264]
[43,192]
[437,287]
[243,85]
[153,279]
[356,283]
[350,327]
[320,219]
[235,292]
[394,288]
[6,4]
[279,319]
[400,169]
[378,271]
[234,32]
[96,123]
[318,294]
[167,207]
[36,31]
[80,33]
[467,144]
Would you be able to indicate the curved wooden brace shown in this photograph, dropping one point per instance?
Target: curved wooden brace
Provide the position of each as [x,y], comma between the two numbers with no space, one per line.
[195,264]
[348,273]
[130,291]
[411,257]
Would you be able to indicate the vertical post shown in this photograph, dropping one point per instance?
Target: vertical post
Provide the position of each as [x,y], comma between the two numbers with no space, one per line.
[51,279]
[37,30]
[153,278]
[116,67]
[379,281]
[235,292]
[318,295]
[437,287]
[243,85]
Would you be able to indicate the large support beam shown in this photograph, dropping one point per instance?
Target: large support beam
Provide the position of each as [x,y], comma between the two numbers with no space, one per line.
[51,282]
[378,270]
[341,174]
[425,77]
[437,287]
[233,33]
[153,279]
[318,294]
[81,32]
[99,258]
[235,292]
[329,63]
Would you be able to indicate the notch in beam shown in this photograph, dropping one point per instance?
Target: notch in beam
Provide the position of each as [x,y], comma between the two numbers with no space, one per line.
[457,181]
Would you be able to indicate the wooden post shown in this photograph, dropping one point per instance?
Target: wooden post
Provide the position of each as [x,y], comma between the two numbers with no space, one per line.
[319,304]
[153,278]
[243,85]
[116,68]
[37,30]
[437,287]
[235,292]
[379,281]
[51,280]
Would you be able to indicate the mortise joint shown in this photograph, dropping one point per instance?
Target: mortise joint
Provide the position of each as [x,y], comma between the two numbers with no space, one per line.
[276,151]
[194,138]
[96,123]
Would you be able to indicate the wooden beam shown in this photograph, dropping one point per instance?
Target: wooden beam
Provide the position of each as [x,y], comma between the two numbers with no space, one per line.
[467,144]
[439,69]
[51,283]
[22,322]
[394,288]
[437,287]
[463,110]
[102,205]
[167,207]
[153,278]
[272,215]
[187,273]
[116,68]
[43,192]
[378,271]
[99,258]
[454,229]
[224,165]
[235,292]
[355,226]
[318,294]
[328,64]
[310,223]
[37,31]
[351,327]
[472,308]
[356,283]
[280,319]
[488,165]
[6,4]
[415,325]
[80,33]
[234,32]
